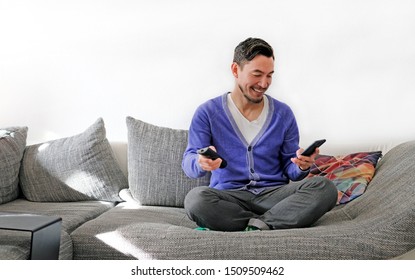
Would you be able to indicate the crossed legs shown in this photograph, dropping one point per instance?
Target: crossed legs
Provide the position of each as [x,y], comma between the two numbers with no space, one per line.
[297,204]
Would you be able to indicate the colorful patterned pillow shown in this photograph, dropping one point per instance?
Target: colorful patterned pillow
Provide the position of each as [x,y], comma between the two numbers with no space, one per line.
[350,174]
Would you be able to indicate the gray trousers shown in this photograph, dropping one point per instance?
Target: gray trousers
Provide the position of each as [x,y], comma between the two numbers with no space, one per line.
[297,204]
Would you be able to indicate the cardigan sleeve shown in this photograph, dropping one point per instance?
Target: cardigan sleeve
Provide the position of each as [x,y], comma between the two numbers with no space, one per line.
[199,137]
[289,149]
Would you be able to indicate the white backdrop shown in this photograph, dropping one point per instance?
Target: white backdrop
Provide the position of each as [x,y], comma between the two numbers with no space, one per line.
[347,68]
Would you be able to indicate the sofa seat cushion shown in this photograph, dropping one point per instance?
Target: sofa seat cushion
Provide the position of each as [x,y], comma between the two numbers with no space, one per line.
[15,245]
[73,214]
[377,225]
[114,234]
[77,168]
[11,252]
[12,146]
[152,232]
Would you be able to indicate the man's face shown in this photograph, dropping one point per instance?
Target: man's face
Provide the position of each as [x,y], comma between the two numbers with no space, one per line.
[254,77]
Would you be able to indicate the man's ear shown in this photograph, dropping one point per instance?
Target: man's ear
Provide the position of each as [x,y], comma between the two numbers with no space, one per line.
[235,69]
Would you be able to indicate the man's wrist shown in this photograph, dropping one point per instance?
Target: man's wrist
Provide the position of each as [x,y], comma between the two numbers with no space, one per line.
[304,170]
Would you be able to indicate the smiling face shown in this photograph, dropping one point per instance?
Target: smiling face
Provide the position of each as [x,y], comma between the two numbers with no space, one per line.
[253,78]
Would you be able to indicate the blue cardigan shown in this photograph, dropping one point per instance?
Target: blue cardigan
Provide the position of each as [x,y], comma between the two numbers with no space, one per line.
[252,166]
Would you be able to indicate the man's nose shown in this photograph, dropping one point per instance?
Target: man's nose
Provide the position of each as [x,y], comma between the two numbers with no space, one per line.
[264,82]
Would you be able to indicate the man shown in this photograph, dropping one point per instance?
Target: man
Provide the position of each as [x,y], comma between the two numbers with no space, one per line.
[262,186]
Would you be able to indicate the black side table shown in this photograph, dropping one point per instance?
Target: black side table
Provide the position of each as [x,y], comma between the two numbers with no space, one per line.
[45,232]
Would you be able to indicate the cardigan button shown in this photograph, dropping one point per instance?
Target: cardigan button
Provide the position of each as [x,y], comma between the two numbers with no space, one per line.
[249,148]
[252,170]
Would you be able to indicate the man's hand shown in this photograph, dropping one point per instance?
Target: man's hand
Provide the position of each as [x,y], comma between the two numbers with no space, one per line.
[207,164]
[303,162]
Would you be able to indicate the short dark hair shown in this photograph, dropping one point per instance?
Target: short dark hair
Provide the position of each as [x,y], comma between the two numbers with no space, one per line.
[250,48]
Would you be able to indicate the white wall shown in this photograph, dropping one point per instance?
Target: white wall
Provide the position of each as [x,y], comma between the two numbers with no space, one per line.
[347,68]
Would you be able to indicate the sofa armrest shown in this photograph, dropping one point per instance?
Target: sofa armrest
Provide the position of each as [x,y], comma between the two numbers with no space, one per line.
[407,256]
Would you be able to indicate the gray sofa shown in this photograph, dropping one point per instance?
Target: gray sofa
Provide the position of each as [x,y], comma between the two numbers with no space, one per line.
[115,215]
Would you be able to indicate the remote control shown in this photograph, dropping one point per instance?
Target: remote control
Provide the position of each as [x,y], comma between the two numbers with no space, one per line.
[209,153]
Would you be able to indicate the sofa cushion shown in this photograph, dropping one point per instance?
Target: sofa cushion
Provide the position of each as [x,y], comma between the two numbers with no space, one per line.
[350,173]
[154,164]
[73,214]
[15,245]
[76,168]
[113,235]
[378,225]
[12,145]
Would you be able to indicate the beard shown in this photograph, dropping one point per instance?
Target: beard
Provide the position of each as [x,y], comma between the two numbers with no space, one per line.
[249,98]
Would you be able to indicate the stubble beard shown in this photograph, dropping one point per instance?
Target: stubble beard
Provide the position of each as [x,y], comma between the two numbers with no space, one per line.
[250,99]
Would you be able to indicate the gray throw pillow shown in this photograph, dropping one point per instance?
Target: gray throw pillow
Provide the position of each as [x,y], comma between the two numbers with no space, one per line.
[154,164]
[76,168]
[12,145]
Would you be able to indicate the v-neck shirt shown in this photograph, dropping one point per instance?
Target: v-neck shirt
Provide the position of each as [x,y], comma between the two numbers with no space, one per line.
[249,129]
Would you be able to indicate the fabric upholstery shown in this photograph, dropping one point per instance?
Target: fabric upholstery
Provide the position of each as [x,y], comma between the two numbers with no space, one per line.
[154,164]
[377,225]
[16,245]
[116,234]
[76,168]
[73,214]
[12,145]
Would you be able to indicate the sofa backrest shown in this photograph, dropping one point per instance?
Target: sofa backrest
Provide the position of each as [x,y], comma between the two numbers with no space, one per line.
[391,191]
[153,182]
[389,198]
[120,150]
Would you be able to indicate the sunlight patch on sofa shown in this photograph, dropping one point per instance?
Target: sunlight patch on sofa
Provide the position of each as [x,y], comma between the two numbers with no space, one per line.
[129,205]
[118,242]
[43,147]
[80,180]
[129,201]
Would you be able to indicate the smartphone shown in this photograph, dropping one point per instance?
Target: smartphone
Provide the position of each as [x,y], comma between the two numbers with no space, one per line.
[310,150]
